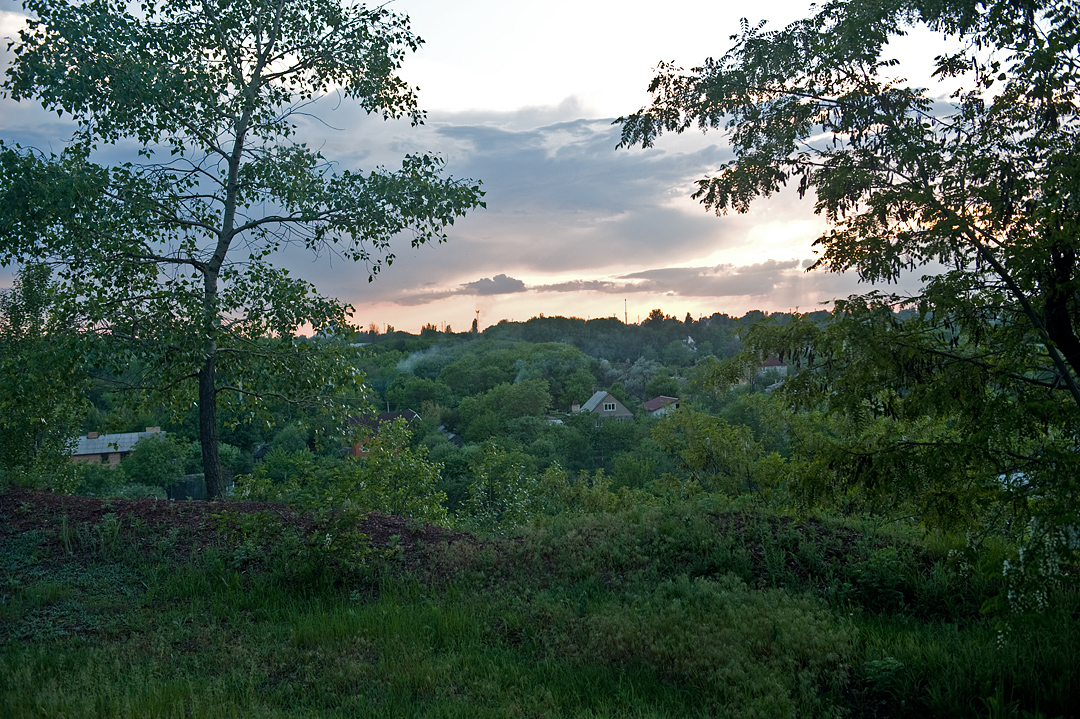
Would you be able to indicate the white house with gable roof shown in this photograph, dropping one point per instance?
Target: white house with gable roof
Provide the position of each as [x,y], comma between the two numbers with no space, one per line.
[605,405]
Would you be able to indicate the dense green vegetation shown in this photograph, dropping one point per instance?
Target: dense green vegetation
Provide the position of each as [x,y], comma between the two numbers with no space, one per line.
[703,608]
[653,567]
[183,241]
[502,398]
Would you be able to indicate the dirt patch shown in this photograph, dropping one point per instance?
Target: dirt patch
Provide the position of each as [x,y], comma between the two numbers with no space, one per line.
[191,524]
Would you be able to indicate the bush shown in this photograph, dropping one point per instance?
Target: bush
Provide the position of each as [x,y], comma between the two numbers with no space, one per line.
[156,460]
[98,480]
[503,492]
[235,461]
[391,477]
[766,653]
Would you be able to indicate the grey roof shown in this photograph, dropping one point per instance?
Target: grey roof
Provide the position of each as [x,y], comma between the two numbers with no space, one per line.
[594,401]
[107,443]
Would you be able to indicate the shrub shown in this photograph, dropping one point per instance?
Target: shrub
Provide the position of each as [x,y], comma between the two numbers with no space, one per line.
[391,477]
[503,493]
[156,460]
[766,654]
[98,480]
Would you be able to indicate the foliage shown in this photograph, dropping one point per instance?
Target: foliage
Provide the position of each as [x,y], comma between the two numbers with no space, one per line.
[155,461]
[696,609]
[960,403]
[485,415]
[932,440]
[411,392]
[330,550]
[982,186]
[569,373]
[771,653]
[661,386]
[170,256]
[97,480]
[390,477]
[719,456]
[400,477]
[503,492]
[290,439]
[587,493]
[41,381]
[234,461]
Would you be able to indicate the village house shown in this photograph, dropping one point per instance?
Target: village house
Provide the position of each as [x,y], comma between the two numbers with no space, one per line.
[659,406]
[605,406]
[773,363]
[110,448]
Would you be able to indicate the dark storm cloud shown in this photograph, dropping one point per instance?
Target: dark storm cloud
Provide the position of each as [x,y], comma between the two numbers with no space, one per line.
[498,285]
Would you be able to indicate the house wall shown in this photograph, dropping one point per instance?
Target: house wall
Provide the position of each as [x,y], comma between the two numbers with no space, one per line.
[666,409]
[111,458]
[620,412]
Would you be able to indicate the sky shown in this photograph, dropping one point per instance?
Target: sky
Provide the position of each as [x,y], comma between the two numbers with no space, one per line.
[522,96]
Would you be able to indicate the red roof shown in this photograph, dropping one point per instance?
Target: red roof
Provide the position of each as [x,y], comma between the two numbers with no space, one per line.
[657,402]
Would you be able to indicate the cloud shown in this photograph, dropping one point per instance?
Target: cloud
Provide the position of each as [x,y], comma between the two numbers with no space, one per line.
[498,285]
[755,280]
[561,201]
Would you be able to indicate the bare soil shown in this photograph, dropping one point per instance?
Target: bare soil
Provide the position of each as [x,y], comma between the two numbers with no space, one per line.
[193,523]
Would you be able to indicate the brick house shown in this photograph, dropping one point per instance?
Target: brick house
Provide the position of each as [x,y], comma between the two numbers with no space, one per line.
[110,448]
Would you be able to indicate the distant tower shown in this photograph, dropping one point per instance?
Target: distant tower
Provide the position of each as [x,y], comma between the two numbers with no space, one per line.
[624,321]
[476,323]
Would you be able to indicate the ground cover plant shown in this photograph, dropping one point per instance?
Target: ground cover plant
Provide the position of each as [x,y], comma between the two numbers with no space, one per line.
[705,608]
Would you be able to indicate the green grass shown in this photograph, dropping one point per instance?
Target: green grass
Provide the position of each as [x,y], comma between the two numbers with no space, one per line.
[692,610]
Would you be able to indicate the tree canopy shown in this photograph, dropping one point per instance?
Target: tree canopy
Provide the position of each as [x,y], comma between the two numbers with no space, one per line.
[38,413]
[172,252]
[964,397]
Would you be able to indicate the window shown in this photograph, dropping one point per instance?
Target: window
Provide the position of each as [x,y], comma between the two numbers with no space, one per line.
[609,406]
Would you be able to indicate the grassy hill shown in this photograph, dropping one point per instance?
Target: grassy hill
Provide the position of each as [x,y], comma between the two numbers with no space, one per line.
[145,608]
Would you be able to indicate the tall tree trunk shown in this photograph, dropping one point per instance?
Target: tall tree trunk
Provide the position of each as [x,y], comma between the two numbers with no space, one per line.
[208,435]
[1059,290]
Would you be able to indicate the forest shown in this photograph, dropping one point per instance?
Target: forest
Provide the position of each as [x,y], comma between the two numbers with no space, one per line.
[508,392]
